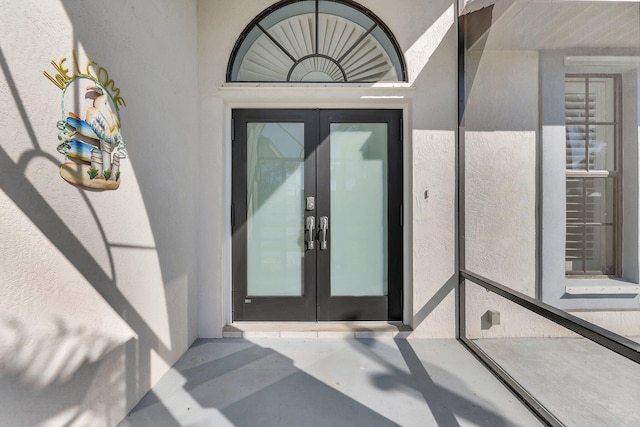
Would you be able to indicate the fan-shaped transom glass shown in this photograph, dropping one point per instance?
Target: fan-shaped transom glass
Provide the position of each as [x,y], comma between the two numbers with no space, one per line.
[316,41]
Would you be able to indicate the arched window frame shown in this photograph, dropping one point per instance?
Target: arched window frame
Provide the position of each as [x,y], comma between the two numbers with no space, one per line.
[392,49]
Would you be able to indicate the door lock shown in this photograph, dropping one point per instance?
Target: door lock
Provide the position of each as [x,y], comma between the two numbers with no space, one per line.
[310,203]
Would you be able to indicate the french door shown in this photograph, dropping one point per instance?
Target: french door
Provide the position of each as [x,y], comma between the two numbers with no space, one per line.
[316,215]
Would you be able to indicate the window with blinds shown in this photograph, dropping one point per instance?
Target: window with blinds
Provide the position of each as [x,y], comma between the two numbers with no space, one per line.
[592,120]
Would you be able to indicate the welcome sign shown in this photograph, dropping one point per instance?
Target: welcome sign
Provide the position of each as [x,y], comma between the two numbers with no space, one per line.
[90,138]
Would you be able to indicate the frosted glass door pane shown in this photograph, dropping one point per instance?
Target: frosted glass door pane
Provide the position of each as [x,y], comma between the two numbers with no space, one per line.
[358,220]
[275,191]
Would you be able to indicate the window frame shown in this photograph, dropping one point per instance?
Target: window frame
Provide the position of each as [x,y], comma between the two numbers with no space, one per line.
[388,42]
[553,286]
[616,174]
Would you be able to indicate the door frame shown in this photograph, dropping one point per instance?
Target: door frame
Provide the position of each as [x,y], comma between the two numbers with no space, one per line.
[316,302]
[398,96]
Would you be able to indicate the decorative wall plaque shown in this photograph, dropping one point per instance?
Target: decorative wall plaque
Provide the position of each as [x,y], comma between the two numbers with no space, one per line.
[89,138]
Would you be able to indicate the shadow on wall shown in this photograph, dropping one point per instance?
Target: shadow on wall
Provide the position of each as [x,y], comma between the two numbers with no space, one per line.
[26,197]
[58,365]
[432,67]
[66,374]
[161,131]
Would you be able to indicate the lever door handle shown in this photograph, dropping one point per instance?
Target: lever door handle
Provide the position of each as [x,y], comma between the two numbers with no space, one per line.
[324,226]
[310,225]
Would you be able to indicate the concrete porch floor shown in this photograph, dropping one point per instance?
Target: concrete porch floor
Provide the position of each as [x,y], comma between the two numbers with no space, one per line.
[580,382]
[328,382]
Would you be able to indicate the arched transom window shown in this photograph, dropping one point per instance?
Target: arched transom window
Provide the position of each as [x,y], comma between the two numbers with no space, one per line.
[316,41]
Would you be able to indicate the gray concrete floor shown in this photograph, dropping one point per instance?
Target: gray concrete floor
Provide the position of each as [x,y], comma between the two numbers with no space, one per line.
[328,382]
[580,382]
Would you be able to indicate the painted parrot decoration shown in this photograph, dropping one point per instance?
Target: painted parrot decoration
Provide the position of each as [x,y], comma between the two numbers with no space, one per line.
[103,122]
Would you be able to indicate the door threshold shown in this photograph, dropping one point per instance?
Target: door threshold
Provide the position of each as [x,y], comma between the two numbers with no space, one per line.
[380,329]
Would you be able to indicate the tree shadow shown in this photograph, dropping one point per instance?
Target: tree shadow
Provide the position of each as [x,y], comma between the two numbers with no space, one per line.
[237,382]
[56,368]
[73,373]
[446,405]
[245,383]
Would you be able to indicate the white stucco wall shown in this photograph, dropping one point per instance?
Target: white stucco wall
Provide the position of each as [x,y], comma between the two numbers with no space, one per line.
[501,123]
[431,53]
[506,144]
[426,33]
[96,288]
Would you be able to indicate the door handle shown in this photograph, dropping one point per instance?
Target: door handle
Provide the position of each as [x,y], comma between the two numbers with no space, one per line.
[310,225]
[324,226]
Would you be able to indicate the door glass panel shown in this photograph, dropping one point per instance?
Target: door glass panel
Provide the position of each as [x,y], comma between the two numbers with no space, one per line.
[275,191]
[358,221]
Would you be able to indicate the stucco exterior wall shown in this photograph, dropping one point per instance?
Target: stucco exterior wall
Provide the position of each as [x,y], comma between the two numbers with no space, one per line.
[426,33]
[506,146]
[501,123]
[96,288]
[431,53]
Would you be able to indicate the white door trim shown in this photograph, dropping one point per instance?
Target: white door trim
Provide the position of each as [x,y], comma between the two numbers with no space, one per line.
[323,96]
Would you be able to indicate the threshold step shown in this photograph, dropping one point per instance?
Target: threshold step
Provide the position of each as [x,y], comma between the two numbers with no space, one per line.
[316,330]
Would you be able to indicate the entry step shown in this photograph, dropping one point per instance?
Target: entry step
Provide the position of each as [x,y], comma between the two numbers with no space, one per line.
[316,330]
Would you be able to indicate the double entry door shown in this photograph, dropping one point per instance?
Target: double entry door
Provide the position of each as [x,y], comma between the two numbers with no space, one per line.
[317,215]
